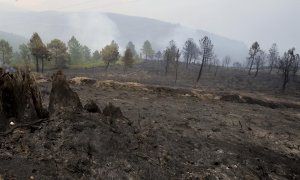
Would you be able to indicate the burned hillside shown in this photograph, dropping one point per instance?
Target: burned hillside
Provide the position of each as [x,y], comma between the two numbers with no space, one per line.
[95,131]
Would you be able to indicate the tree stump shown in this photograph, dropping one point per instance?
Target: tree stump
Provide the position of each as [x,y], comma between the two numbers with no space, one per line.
[20,98]
[92,107]
[112,111]
[62,98]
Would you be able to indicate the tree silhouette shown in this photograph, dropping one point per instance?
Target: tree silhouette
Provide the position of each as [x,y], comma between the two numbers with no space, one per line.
[147,49]
[190,51]
[252,53]
[110,54]
[5,52]
[170,55]
[176,65]
[75,50]
[286,64]
[96,56]
[25,55]
[273,56]
[128,59]
[58,52]
[38,50]
[226,61]
[86,53]
[259,61]
[131,46]
[206,48]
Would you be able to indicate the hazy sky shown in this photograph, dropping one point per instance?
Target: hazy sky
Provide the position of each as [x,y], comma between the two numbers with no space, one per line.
[265,21]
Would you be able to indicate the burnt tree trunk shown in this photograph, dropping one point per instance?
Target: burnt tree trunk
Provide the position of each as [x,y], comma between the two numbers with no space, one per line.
[251,65]
[256,73]
[20,99]
[106,67]
[37,64]
[216,71]
[271,68]
[285,79]
[187,61]
[200,71]
[62,98]
[167,63]
[42,65]
[176,66]
[3,57]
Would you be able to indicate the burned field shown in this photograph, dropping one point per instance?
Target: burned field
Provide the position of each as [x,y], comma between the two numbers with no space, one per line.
[107,125]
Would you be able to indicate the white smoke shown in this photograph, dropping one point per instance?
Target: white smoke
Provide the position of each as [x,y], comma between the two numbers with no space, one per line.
[93,29]
[180,34]
[90,28]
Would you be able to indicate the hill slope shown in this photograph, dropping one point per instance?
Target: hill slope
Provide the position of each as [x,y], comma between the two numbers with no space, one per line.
[13,39]
[98,29]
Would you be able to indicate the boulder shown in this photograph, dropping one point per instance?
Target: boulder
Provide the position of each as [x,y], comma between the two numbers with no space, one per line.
[92,107]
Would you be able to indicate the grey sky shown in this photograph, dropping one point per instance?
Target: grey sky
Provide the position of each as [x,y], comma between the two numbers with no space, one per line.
[265,21]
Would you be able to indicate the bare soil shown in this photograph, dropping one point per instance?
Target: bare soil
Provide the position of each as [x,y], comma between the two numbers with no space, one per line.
[167,131]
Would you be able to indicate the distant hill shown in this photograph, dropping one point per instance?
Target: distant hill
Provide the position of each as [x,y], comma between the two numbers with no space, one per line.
[13,39]
[98,29]
[160,33]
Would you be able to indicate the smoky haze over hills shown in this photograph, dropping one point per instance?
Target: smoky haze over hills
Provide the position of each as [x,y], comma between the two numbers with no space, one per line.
[98,29]
[13,39]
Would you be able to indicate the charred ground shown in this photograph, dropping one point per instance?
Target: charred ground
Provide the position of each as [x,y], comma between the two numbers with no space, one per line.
[165,131]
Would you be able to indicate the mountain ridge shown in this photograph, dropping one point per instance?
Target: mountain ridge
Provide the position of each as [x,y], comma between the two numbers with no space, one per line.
[13,39]
[100,28]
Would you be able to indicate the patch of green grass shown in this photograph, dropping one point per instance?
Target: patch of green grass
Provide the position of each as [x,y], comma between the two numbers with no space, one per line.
[82,65]
[119,62]
[87,65]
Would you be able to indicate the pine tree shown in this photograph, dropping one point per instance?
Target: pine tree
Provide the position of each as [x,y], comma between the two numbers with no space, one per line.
[58,51]
[75,50]
[5,52]
[147,50]
[128,59]
[38,50]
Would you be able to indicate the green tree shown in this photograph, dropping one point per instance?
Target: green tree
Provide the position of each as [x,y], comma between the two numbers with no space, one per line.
[16,58]
[5,51]
[110,54]
[25,55]
[38,50]
[75,50]
[147,49]
[24,51]
[96,56]
[86,53]
[128,59]
[131,46]
[58,52]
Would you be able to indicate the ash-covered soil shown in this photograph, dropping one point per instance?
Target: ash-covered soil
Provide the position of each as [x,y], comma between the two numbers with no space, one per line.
[165,133]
